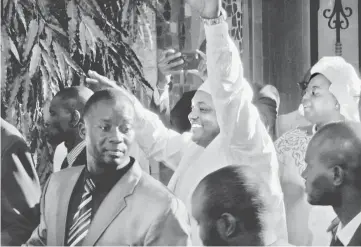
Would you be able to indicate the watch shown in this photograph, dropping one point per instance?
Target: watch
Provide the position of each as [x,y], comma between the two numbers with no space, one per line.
[221,18]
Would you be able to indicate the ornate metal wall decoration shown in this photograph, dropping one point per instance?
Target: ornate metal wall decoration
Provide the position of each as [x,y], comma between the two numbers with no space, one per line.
[338,20]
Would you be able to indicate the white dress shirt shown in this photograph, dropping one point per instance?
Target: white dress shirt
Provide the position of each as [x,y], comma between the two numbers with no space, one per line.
[243,139]
[60,154]
[346,233]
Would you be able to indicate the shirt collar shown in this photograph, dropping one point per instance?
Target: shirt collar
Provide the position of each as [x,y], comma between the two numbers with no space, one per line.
[73,154]
[106,181]
[345,234]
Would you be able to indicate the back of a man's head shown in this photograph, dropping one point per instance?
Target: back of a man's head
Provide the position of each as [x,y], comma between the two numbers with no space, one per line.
[234,194]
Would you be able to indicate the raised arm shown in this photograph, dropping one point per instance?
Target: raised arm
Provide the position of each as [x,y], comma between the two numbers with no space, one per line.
[157,141]
[240,124]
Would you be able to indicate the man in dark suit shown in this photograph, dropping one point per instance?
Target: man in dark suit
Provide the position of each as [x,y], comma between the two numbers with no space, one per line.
[20,188]
[332,177]
[110,201]
[66,110]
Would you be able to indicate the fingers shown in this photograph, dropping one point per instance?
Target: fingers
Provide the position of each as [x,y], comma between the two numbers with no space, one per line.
[95,78]
[202,54]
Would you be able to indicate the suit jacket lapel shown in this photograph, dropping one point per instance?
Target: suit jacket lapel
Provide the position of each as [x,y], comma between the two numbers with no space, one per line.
[71,176]
[113,204]
[356,239]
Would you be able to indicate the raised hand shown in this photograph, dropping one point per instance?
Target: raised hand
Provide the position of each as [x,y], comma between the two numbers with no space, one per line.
[201,71]
[169,62]
[98,82]
[208,9]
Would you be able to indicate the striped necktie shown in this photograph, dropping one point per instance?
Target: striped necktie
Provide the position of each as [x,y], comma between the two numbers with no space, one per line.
[82,218]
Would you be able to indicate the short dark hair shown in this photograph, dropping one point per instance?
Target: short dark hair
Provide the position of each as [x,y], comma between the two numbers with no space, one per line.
[236,190]
[340,144]
[106,94]
[79,94]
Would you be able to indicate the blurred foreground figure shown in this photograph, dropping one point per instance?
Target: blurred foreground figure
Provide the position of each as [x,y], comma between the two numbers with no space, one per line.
[228,206]
[332,177]
[20,188]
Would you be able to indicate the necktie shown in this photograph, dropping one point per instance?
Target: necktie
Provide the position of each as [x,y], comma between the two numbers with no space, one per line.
[65,163]
[82,218]
[335,241]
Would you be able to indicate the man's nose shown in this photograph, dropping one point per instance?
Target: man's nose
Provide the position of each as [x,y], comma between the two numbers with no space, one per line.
[117,136]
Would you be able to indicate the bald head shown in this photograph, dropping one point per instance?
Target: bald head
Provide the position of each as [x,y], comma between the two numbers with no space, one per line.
[112,96]
[337,146]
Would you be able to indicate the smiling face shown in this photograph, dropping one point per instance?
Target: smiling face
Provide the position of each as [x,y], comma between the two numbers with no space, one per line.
[320,105]
[203,119]
[109,132]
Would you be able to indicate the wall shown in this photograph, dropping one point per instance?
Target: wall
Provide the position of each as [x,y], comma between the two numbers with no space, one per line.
[286,47]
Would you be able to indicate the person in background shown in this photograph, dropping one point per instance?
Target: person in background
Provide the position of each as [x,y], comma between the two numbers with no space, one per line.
[267,101]
[226,127]
[228,205]
[103,202]
[20,188]
[331,95]
[65,114]
[332,177]
[295,119]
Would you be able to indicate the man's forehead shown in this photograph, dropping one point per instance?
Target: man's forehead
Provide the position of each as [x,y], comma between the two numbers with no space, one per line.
[107,109]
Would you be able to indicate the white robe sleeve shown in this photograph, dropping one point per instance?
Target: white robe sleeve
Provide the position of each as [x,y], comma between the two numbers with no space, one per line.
[240,124]
[157,141]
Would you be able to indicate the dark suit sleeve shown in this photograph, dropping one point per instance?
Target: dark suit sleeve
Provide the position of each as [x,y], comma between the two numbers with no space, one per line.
[20,194]
[39,236]
[172,228]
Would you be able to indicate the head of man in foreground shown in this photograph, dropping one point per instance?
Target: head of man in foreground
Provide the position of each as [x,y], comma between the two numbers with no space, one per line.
[108,130]
[333,170]
[227,205]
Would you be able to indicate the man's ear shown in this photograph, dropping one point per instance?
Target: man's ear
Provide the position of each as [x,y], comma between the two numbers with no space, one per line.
[227,226]
[81,127]
[338,175]
[75,118]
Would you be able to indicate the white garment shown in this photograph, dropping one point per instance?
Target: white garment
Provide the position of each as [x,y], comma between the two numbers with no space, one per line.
[59,156]
[346,233]
[243,139]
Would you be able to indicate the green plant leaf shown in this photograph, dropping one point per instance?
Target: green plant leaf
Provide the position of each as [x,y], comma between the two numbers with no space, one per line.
[48,62]
[71,11]
[82,37]
[31,37]
[14,50]
[60,59]
[35,60]
[91,41]
[72,64]
[56,29]
[20,12]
